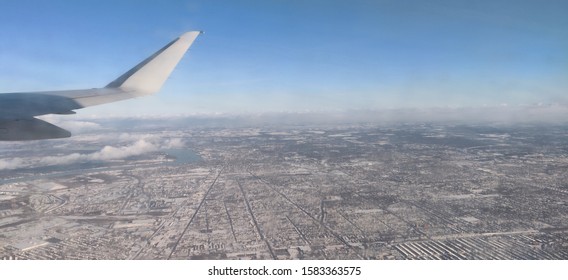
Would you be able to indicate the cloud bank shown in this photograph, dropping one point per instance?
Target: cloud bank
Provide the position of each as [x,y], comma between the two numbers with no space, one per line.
[107,153]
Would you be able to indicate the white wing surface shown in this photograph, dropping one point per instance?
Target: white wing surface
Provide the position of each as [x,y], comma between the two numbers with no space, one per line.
[17,110]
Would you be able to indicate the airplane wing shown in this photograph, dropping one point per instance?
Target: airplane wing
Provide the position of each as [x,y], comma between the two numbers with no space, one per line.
[17,110]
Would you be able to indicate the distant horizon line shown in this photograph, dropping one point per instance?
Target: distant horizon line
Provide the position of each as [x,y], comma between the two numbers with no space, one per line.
[553,113]
[504,106]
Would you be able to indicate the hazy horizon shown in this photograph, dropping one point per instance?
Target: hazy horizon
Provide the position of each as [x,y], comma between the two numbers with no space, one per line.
[506,114]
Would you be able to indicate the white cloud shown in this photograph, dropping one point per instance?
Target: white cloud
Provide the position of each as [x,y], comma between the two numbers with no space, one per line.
[138,148]
[107,153]
[79,126]
[13,163]
[174,143]
[127,137]
[71,123]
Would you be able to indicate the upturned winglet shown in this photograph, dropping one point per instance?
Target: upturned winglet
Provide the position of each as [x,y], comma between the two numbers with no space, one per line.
[149,75]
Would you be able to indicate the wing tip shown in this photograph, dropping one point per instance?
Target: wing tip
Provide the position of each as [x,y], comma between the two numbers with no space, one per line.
[191,34]
[148,76]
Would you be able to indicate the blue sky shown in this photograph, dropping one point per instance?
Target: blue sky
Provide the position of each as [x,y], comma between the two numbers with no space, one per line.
[286,56]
